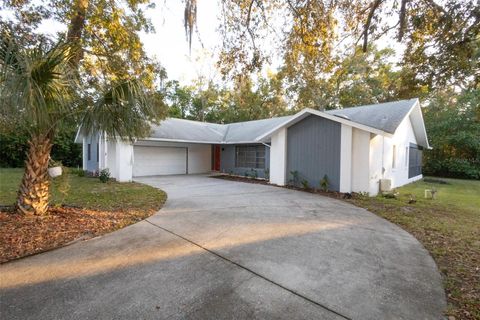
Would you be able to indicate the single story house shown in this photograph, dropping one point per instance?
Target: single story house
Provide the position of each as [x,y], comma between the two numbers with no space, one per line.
[356,148]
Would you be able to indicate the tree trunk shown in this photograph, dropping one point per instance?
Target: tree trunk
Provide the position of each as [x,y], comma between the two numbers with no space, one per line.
[76,27]
[34,192]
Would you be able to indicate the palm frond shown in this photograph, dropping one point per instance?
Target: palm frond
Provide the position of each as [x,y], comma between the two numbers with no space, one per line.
[124,110]
[36,84]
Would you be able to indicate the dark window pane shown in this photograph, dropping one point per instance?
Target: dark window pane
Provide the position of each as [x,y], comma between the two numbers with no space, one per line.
[250,157]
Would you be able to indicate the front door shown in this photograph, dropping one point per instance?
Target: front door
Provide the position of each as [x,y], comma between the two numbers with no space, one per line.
[216,158]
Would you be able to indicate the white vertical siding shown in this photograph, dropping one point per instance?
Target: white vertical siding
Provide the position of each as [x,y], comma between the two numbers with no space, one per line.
[404,135]
[376,161]
[84,154]
[199,158]
[278,153]
[346,159]
[360,160]
[124,161]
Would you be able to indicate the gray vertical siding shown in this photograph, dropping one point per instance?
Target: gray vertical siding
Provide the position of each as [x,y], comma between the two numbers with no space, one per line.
[313,149]
[92,164]
[227,162]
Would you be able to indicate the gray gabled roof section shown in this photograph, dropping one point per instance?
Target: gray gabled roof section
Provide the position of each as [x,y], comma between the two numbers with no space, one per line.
[249,130]
[203,132]
[187,130]
[383,116]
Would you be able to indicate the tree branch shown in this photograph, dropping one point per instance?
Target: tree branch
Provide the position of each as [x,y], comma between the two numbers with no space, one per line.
[401,30]
[373,7]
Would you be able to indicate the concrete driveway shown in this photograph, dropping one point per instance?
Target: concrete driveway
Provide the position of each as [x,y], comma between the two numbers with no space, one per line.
[230,250]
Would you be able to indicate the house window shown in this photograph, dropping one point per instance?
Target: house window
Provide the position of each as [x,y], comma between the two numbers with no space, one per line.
[98,152]
[89,152]
[250,157]
[394,157]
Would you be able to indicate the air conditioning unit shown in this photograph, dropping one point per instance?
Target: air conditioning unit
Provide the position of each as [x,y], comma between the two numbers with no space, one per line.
[385,185]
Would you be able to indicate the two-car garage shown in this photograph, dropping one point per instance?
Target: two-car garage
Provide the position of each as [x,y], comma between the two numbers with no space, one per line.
[163,158]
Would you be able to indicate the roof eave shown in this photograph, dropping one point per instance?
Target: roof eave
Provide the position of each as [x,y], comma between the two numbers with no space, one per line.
[306,112]
[199,141]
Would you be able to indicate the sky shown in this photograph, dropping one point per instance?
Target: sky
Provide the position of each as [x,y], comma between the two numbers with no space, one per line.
[170,46]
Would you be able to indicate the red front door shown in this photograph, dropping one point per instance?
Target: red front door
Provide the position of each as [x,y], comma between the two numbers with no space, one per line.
[216,158]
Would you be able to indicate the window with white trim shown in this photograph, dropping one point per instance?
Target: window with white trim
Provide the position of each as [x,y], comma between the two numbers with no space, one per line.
[250,157]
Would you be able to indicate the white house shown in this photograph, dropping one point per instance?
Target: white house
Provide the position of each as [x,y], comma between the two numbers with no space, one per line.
[355,148]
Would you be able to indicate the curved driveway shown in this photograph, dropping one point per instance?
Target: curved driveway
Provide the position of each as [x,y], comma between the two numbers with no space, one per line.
[230,250]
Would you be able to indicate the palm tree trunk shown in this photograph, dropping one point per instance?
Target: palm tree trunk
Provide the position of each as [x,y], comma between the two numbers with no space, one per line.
[34,192]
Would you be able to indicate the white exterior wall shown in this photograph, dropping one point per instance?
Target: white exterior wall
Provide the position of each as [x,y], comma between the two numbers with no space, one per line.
[111,158]
[199,158]
[360,160]
[124,161]
[381,157]
[376,163]
[278,155]
[84,153]
[102,151]
[346,159]
[401,139]
[199,155]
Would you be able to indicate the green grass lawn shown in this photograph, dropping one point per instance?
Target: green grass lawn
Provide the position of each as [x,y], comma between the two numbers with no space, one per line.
[86,192]
[449,227]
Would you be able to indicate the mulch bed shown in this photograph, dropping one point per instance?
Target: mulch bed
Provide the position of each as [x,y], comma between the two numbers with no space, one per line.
[330,194]
[22,235]
[241,179]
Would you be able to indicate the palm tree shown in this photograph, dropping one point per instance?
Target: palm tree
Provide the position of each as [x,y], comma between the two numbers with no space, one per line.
[40,88]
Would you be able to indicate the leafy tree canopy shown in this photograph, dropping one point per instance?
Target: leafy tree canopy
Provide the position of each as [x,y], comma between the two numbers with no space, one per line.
[441,40]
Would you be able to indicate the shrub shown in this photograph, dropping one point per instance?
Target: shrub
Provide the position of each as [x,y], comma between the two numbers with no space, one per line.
[104,175]
[324,183]
[295,178]
[267,174]
[305,184]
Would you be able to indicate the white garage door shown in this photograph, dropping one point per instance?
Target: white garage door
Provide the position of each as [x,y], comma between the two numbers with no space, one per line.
[151,161]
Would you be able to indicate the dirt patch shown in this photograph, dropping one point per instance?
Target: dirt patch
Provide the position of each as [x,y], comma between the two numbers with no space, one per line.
[22,235]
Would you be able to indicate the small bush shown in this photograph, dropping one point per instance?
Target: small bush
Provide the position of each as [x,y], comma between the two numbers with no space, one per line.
[324,183]
[305,184]
[295,181]
[254,173]
[267,174]
[104,175]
